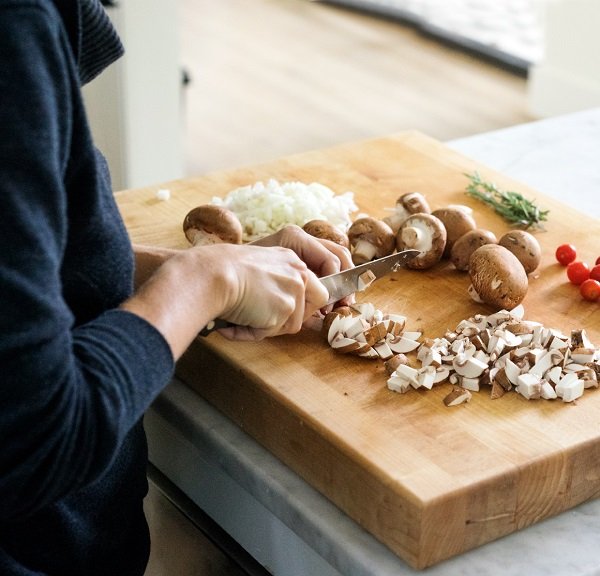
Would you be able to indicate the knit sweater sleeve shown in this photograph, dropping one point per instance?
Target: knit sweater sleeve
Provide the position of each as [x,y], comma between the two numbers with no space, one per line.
[69,394]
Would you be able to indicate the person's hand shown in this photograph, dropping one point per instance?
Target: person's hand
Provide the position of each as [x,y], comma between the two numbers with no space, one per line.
[264,291]
[270,291]
[323,257]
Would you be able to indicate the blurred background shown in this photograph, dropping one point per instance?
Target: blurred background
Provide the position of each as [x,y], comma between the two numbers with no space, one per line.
[211,85]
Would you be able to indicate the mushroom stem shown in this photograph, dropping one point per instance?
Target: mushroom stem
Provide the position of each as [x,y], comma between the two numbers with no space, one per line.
[363,252]
[395,220]
[203,238]
[411,236]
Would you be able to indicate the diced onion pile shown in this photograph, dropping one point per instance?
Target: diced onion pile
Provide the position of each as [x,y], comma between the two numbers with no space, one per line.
[264,208]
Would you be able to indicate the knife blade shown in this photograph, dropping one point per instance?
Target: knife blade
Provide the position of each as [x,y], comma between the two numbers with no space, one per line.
[347,282]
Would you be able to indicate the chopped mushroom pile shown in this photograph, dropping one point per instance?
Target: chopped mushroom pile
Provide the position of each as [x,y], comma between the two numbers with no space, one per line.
[363,330]
[504,352]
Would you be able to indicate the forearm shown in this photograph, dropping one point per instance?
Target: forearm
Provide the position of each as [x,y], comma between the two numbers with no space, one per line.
[174,297]
[147,260]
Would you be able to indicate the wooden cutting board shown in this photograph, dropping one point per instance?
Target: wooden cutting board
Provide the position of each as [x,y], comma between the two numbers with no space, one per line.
[428,481]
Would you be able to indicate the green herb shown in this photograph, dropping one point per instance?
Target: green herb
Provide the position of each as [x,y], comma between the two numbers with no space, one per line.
[512,206]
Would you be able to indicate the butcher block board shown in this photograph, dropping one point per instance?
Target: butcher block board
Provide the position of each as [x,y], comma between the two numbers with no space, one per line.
[428,481]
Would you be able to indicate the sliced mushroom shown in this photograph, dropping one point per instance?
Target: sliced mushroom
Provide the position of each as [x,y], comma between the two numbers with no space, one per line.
[457,396]
[370,239]
[497,276]
[425,233]
[407,204]
[326,231]
[456,222]
[392,363]
[529,386]
[467,244]
[570,387]
[524,246]
[211,224]
[365,280]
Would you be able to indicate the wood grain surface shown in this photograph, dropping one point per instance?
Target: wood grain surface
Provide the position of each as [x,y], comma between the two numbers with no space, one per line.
[428,481]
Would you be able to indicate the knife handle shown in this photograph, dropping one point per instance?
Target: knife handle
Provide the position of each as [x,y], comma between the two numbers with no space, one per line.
[214,325]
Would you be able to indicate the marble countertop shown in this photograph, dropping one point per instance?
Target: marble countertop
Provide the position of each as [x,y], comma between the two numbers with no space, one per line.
[559,157]
[291,528]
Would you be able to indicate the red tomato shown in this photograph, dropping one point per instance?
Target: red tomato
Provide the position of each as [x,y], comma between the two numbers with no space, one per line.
[590,289]
[566,254]
[597,260]
[595,272]
[578,272]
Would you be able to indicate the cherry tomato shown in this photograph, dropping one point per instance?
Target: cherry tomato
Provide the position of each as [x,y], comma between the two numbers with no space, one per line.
[590,289]
[566,253]
[597,261]
[595,272]
[578,272]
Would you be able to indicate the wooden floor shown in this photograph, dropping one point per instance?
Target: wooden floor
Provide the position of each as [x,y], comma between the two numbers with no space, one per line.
[274,77]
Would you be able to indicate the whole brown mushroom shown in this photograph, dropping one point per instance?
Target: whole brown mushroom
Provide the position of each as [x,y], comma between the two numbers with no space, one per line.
[406,205]
[423,232]
[457,222]
[211,224]
[370,239]
[497,277]
[326,231]
[467,244]
[524,246]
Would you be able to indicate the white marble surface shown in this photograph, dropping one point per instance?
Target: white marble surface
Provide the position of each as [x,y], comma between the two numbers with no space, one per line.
[291,528]
[559,157]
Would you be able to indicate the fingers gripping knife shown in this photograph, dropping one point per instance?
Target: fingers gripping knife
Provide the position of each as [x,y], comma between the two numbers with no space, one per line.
[347,282]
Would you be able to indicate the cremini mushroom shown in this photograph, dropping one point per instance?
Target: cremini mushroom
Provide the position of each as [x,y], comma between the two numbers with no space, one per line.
[370,239]
[211,224]
[423,232]
[457,222]
[524,246]
[326,231]
[407,204]
[497,277]
[467,244]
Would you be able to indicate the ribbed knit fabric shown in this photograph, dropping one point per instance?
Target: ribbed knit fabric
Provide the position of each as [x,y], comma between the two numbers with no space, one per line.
[76,372]
[100,45]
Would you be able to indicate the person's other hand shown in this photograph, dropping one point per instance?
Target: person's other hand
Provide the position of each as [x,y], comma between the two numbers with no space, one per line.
[323,257]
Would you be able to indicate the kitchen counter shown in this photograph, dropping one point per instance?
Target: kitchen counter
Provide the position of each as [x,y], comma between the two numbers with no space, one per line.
[287,525]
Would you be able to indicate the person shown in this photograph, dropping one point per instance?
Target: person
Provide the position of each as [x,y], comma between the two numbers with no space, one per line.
[90,326]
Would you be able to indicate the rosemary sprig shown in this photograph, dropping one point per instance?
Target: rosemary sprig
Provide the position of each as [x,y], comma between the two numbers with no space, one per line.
[512,206]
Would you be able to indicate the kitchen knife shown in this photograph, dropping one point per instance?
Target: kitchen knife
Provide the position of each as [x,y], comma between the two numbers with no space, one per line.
[348,282]
[358,278]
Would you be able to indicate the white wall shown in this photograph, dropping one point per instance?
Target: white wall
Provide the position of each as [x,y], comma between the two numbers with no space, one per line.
[135,107]
[568,77]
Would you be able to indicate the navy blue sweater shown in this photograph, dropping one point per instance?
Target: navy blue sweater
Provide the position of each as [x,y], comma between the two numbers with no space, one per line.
[76,373]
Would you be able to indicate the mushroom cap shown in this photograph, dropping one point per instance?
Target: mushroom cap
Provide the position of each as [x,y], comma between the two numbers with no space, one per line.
[457,222]
[413,202]
[212,224]
[373,231]
[326,231]
[467,244]
[524,246]
[497,276]
[406,204]
[423,232]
